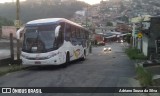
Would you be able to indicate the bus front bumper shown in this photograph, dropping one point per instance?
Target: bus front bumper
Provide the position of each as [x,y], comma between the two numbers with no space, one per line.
[51,61]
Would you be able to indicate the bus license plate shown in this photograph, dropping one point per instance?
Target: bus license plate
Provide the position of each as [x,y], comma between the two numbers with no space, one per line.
[37,62]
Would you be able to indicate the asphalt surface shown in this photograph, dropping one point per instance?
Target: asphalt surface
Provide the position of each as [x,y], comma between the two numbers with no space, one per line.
[98,70]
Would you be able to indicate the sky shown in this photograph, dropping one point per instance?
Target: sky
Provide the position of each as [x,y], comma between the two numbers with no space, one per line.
[87,1]
[3,1]
[92,1]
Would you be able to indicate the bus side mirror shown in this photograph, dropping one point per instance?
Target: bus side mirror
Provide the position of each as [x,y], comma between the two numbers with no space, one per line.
[19,32]
[57,30]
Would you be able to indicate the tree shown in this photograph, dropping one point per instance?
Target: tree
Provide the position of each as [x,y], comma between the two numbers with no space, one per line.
[125,18]
[122,7]
[128,38]
[37,9]
[5,22]
[109,24]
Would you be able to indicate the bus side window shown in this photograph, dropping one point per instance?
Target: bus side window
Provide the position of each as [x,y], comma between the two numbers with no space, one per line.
[87,35]
[73,32]
[67,32]
[61,33]
[72,29]
[73,39]
[84,34]
[77,32]
[81,34]
[62,30]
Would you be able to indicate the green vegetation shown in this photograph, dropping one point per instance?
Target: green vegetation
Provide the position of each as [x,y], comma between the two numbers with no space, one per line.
[37,9]
[11,68]
[145,77]
[135,54]
[128,38]
[109,24]
[5,22]
[125,18]
[122,7]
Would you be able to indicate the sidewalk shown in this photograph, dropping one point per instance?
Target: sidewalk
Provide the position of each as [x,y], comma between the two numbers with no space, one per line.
[4,59]
[6,40]
[131,82]
[128,82]
[5,64]
[4,53]
[10,68]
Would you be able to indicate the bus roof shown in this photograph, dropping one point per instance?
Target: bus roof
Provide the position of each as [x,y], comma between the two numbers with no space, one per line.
[50,21]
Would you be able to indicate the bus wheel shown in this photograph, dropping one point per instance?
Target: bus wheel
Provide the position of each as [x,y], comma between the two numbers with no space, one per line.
[84,56]
[67,60]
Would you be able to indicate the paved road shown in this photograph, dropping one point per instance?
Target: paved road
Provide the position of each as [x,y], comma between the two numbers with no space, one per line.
[99,70]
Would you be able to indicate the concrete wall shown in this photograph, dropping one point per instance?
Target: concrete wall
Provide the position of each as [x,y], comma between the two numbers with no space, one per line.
[154,35]
[6,30]
[145,45]
[149,44]
[98,37]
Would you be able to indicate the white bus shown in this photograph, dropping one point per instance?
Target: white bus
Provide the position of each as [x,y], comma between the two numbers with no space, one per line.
[53,41]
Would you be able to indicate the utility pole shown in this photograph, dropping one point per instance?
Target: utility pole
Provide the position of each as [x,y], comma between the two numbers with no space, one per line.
[90,43]
[11,48]
[17,9]
[86,16]
[18,23]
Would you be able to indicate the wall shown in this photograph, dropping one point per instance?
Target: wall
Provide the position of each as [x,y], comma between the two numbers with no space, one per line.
[145,45]
[154,34]
[6,30]
[98,37]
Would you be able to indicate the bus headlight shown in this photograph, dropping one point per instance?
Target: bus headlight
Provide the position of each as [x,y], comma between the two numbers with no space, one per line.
[48,57]
[24,56]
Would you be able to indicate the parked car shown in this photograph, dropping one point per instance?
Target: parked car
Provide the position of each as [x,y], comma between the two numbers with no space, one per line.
[101,43]
[107,48]
[120,41]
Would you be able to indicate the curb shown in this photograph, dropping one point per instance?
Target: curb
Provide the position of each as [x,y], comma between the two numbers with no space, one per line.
[5,62]
[11,68]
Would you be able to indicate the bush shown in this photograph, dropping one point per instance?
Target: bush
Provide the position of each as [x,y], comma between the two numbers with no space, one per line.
[5,22]
[109,24]
[12,68]
[128,38]
[135,54]
[145,77]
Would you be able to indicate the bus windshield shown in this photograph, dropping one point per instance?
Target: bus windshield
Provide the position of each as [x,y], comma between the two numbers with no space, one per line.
[39,39]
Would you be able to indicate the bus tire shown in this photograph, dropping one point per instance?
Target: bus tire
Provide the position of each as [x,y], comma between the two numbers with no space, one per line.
[84,55]
[67,60]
